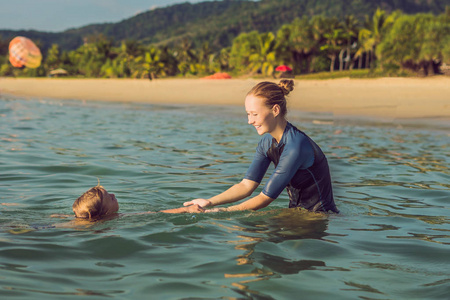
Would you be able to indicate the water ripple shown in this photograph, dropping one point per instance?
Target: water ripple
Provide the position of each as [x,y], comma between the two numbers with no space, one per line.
[391,184]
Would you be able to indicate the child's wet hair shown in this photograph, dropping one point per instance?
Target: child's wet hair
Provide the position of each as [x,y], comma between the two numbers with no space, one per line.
[90,204]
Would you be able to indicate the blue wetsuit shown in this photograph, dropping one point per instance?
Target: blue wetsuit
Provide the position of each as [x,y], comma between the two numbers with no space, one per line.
[300,166]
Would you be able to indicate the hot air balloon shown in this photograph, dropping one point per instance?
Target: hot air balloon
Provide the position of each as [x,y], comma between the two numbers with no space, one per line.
[24,53]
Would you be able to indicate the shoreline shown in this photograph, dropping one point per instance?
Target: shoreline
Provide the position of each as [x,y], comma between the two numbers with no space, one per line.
[385,98]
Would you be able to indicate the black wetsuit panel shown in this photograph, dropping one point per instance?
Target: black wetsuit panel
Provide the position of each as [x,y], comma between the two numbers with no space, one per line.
[300,167]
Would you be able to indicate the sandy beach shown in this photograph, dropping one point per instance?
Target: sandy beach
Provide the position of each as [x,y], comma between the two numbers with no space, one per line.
[391,98]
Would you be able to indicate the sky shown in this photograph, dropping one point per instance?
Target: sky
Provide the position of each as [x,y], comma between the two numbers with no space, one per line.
[59,15]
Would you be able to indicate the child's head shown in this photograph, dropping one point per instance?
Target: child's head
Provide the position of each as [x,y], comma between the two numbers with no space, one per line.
[95,203]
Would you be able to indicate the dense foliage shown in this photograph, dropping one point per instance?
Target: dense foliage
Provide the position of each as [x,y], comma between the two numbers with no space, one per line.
[390,41]
[219,22]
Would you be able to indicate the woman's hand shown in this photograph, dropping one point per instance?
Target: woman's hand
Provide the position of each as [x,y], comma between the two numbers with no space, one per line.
[216,209]
[200,202]
[194,209]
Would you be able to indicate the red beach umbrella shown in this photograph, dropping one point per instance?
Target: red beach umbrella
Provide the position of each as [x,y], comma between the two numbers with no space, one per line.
[283,68]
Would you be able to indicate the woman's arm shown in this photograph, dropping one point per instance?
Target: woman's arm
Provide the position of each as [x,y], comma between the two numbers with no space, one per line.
[190,209]
[254,203]
[237,192]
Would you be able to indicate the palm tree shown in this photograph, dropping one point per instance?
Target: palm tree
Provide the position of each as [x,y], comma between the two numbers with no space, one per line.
[224,59]
[128,60]
[283,46]
[415,42]
[299,43]
[153,64]
[132,48]
[186,57]
[319,27]
[205,57]
[85,58]
[334,38]
[219,62]
[167,57]
[350,26]
[53,61]
[435,41]
[241,49]
[371,36]
[262,57]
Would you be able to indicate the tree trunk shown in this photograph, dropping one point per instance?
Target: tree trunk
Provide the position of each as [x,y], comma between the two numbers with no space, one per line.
[313,60]
[349,62]
[372,59]
[367,59]
[360,62]
[426,67]
[341,59]
[436,66]
[296,57]
[353,62]
[308,63]
[333,60]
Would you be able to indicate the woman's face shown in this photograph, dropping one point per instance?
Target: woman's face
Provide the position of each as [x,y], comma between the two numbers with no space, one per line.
[259,115]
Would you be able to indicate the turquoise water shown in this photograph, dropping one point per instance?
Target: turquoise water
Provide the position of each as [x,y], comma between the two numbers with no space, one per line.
[391,183]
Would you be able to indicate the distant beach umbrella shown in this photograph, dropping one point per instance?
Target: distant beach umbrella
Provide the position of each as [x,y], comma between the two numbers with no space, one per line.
[58,72]
[24,53]
[218,76]
[283,68]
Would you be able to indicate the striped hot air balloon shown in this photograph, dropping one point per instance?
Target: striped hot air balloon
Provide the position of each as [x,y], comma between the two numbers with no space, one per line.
[24,53]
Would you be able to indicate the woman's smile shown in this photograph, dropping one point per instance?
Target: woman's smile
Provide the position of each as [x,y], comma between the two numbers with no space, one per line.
[259,115]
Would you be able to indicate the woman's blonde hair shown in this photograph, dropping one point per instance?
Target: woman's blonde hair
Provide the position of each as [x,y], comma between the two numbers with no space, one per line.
[274,93]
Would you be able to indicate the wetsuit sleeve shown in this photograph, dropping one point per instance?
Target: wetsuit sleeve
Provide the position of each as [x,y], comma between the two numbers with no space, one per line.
[298,154]
[259,165]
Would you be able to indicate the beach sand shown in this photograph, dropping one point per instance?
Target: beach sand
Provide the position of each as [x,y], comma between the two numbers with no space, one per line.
[389,98]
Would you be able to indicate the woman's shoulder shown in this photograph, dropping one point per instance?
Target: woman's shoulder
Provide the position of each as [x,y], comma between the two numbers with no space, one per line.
[295,135]
[265,141]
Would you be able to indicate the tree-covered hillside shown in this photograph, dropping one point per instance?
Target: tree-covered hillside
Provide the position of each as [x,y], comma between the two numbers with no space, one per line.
[219,22]
[385,43]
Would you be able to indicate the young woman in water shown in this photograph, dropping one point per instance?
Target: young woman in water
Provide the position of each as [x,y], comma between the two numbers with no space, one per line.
[300,165]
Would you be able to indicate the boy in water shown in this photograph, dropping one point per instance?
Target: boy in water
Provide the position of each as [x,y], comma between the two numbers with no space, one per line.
[97,203]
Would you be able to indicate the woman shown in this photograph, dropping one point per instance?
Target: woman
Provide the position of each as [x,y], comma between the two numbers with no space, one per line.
[300,165]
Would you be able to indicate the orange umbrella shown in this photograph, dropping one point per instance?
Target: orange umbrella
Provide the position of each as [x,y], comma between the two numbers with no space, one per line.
[218,76]
[24,53]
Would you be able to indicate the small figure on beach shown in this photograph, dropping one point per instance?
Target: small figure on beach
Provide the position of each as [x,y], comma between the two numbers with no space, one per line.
[97,203]
[300,165]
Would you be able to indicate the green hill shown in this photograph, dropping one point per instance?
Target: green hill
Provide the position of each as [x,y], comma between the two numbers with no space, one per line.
[218,22]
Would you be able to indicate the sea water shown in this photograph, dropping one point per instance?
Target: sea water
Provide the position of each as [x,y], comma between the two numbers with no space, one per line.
[391,184]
